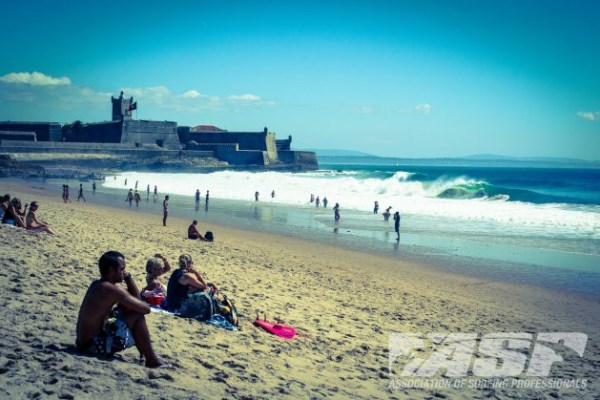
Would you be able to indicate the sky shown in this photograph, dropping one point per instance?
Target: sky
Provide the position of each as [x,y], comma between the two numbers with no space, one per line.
[390,78]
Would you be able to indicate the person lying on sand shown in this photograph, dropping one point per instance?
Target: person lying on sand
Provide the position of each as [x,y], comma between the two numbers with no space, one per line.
[32,222]
[98,335]
[193,232]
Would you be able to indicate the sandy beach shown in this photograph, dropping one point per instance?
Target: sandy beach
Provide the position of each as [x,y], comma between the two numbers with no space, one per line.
[345,304]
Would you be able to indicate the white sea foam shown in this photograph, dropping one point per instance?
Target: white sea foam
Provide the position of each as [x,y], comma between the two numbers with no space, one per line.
[409,197]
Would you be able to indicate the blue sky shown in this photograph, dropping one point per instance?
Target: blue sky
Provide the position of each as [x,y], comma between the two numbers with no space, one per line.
[392,78]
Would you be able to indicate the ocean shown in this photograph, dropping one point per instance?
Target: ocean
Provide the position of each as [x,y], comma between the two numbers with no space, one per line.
[537,226]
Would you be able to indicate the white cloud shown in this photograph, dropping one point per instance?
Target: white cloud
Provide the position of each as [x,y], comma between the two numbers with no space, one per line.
[155,95]
[589,115]
[34,79]
[248,98]
[365,110]
[421,108]
[191,94]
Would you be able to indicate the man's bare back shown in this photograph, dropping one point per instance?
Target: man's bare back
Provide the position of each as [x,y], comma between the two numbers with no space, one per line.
[99,300]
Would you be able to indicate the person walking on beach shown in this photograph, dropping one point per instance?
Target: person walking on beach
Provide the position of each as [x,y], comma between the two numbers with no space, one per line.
[80,195]
[137,198]
[273,194]
[165,210]
[125,182]
[312,197]
[67,199]
[336,212]
[129,197]
[317,201]
[155,192]
[397,225]
[324,202]
[94,187]
[255,196]
[97,336]
[148,191]
[376,207]
[197,196]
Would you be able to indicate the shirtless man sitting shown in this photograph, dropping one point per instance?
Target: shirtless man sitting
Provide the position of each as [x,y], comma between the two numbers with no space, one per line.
[193,232]
[95,334]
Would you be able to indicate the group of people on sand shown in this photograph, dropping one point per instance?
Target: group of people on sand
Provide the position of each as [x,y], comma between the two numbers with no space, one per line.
[13,213]
[111,318]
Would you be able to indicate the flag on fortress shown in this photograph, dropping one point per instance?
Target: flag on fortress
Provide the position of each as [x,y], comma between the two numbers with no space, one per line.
[133,106]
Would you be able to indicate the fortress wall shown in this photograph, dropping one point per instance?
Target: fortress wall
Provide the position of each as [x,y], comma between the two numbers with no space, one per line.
[242,157]
[24,136]
[59,146]
[210,146]
[45,131]
[304,159]
[116,149]
[199,153]
[162,133]
[184,134]
[101,132]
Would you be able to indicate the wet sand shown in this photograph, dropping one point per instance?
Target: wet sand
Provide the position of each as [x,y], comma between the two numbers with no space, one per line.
[346,303]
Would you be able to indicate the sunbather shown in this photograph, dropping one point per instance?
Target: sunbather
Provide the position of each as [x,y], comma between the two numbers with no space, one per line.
[33,224]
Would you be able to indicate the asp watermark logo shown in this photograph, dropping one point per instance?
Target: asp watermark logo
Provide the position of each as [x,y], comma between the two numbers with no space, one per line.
[418,356]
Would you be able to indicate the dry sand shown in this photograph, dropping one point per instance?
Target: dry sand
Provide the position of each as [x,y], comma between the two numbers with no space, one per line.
[345,303]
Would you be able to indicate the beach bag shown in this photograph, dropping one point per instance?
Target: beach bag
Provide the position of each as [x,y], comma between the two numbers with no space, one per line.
[155,299]
[199,306]
[228,311]
[209,236]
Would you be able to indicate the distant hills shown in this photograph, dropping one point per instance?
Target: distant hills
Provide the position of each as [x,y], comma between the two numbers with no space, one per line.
[545,159]
[338,156]
[339,153]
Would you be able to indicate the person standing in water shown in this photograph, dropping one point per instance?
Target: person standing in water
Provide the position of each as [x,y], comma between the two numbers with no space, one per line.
[255,196]
[165,210]
[397,225]
[336,211]
[80,195]
[317,201]
[324,202]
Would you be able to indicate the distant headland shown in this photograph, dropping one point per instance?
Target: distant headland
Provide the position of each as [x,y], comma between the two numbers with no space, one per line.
[127,143]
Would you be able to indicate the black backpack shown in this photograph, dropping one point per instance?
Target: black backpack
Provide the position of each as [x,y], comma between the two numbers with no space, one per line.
[199,306]
[209,236]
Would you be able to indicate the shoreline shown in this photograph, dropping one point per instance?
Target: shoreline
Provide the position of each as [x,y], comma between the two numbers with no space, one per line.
[448,255]
[346,301]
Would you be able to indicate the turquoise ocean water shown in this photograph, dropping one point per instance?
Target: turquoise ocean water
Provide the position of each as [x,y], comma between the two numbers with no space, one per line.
[524,225]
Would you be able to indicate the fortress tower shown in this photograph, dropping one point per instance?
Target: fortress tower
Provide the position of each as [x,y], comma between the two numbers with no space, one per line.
[122,108]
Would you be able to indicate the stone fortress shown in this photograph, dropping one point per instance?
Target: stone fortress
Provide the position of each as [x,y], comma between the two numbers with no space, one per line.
[143,139]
